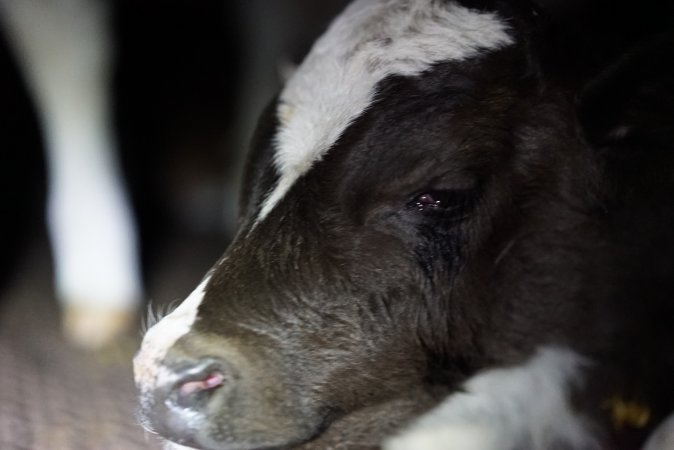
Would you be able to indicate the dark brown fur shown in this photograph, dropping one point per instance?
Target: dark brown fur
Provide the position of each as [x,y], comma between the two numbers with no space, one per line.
[353,309]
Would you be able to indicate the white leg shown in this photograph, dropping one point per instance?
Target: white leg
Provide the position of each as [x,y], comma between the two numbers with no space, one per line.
[523,407]
[64,50]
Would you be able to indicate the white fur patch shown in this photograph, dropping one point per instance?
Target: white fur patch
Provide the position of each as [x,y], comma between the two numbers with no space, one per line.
[525,406]
[663,436]
[371,40]
[147,368]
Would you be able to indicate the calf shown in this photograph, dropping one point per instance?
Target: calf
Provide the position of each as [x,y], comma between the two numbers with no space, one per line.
[456,231]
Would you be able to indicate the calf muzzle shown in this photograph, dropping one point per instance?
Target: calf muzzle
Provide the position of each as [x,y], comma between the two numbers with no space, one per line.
[180,406]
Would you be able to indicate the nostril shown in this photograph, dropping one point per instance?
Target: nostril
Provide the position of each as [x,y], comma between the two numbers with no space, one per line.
[211,381]
[196,383]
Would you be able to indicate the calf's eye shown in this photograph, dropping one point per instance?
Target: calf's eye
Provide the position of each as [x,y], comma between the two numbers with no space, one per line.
[426,201]
[438,200]
[444,204]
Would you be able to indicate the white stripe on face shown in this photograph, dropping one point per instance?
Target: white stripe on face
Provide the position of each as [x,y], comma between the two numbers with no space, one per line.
[525,406]
[371,40]
[161,337]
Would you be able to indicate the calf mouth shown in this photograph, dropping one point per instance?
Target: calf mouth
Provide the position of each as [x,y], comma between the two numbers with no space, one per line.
[364,429]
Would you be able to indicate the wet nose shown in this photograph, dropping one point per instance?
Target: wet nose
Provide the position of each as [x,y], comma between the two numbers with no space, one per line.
[193,384]
[177,407]
[186,396]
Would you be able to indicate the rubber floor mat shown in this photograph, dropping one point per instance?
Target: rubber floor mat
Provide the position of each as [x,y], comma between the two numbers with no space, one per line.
[53,397]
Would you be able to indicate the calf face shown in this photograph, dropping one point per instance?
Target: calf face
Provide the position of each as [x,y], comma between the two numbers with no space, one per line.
[420,203]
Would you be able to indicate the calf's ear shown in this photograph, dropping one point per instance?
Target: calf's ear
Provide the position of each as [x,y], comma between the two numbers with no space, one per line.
[631,102]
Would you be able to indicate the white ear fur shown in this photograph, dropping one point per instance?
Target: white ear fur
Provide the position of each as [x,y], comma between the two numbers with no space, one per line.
[663,436]
[524,406]
[286,69]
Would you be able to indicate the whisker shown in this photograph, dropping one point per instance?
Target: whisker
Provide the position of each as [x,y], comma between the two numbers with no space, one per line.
[145,424]
[155,313]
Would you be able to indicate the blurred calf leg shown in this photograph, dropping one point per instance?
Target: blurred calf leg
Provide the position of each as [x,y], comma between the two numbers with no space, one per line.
[64,50]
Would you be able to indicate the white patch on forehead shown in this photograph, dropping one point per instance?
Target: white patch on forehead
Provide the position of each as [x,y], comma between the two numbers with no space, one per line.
[371,40]
[161,337]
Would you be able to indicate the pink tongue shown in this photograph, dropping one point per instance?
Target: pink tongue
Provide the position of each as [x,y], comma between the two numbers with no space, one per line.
[212,381]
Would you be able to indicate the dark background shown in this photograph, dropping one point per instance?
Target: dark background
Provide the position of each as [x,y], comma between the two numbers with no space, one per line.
[190,78]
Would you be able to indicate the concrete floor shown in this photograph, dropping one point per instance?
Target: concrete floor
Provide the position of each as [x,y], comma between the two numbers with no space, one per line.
[54,397]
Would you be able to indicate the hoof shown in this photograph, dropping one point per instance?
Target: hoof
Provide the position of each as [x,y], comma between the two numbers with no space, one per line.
[92,328]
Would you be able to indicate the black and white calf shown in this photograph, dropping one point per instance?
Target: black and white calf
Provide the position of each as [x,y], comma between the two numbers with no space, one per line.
[456,232]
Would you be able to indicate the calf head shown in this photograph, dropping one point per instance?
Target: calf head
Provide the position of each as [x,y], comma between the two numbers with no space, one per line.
[420,202]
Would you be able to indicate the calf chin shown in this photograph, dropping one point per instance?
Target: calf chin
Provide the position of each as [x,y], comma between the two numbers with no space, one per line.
[368,427]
